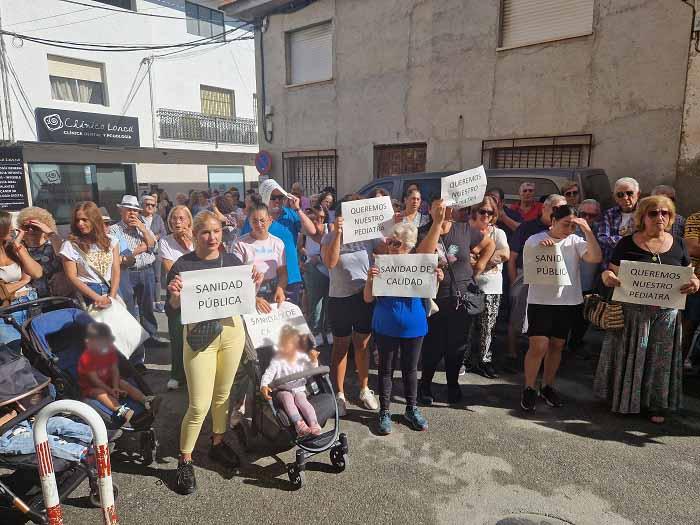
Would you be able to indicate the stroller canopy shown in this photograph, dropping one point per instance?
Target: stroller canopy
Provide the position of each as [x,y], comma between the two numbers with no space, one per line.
[17,377]
[46,324]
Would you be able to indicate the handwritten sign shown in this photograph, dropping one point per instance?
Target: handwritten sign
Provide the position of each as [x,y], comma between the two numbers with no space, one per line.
[652,284]
[545,265]
[367,219]
[267,187]
[465,188]
[217,293]
[411,275]
[264,329]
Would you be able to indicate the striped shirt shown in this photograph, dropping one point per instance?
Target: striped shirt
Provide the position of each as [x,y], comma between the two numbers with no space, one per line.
[133,237]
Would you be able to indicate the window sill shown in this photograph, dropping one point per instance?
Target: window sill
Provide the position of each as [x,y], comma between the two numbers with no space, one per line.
[311,83]
[529,44]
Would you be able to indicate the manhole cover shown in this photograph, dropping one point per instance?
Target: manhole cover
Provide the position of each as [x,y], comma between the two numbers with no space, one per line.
[530,519]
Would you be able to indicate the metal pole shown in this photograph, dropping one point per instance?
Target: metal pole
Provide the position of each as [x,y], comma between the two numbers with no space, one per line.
[46,472]
[6,88]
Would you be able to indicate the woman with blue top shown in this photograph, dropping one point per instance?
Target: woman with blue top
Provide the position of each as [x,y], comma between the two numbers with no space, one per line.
[398,323]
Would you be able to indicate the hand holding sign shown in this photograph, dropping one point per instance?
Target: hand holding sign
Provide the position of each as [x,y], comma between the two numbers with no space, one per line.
[652,284]
[267,187]
[465,188]
[367,219]
[410,275]
[544,264]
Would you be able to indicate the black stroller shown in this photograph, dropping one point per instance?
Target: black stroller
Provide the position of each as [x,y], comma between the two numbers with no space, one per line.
[269,421]
[53,339]
[26,391]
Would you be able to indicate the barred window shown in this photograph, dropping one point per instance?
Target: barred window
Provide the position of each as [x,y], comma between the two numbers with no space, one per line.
[217,102]
[314,170]
[572,151]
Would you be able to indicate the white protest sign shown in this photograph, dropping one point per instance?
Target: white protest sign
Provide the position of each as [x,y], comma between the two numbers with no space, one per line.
[411,275]
[267,187]
[652,284]
[264,329]
[367,219]
[217,293]
[545,265]
[465,188]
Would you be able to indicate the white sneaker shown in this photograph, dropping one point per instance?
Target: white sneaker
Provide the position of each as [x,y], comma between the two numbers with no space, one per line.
[173,384]
[368,400]
[342,405]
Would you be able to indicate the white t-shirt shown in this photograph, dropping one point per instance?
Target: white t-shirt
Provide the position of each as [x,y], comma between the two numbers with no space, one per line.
[267,255]
[573,248]
[170,249]
[627,224]
[491,282]
[102,261]
[281,368]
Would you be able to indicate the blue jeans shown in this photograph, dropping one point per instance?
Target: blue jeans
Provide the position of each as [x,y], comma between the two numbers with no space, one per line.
[19,440]
[138,292]
[8,333]
[316,285]
[99,289]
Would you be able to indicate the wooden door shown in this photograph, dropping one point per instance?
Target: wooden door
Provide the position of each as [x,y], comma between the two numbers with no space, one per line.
[399,159]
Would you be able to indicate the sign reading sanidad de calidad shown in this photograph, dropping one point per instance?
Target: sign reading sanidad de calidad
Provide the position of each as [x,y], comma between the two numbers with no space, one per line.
[409,275]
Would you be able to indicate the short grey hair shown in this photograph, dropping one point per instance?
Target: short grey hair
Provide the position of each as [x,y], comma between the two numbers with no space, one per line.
[592,202]
[526,184]
[549,201]
[627,181]
[664,189]
[407,233]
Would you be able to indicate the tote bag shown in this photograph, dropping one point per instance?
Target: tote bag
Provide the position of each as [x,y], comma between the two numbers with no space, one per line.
[128,332]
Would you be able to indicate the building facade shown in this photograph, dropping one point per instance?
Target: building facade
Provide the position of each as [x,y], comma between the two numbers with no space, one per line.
[356,89]
[95,125]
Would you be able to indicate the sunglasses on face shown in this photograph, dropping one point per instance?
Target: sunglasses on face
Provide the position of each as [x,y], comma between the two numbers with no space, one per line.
[29,228]
[573,193]
[653,214]
[149,205]
[485,212]
[527,190]
[277,197]
[622,194]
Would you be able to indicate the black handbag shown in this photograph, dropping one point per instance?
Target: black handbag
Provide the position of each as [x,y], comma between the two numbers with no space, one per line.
[202,334]
[473,300]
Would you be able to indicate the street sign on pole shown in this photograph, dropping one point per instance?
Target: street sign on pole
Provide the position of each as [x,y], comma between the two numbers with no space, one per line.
[263,162]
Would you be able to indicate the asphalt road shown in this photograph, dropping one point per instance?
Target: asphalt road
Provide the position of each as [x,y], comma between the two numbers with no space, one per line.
[481,463]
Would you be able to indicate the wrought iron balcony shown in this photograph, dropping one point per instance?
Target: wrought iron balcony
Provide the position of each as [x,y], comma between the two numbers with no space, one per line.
[188,125]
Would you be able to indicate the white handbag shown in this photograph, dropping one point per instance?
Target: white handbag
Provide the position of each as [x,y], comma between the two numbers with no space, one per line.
[128,332]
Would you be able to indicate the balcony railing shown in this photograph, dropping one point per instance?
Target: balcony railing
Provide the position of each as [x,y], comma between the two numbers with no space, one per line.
[188,125]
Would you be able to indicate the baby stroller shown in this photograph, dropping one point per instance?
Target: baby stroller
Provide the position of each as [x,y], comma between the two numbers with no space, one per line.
[26,391]
[53,340]
[270,422]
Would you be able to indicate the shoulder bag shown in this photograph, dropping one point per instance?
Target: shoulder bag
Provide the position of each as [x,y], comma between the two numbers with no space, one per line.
[473,300]
[201,335]
[6,297]
[603,313]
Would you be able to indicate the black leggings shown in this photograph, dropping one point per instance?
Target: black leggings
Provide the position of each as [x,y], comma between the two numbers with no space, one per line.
[447,338]
[410,352]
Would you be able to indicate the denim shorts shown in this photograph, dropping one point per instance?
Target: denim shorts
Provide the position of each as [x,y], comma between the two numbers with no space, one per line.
[8,333]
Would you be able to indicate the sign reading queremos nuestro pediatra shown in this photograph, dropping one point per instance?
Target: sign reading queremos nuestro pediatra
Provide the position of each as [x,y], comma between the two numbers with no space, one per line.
[78,127]
[652,284]
[13,185]
[217,293]
[545,265]
[464,189]
[264,329]
[411,275]
[367,219]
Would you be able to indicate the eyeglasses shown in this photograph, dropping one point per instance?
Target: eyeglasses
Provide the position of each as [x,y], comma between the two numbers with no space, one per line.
[277,197]
[528,190]
[486,212]
[149,205]
[653,214]
[622,194]
[573,193]
[29,228]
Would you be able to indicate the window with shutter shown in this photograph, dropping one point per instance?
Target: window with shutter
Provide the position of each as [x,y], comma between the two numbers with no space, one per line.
[527,22]
[217,102]
[76,80]
[310,54]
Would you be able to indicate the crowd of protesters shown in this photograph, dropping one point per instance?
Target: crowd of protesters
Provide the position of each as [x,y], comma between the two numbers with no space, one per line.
[295,245]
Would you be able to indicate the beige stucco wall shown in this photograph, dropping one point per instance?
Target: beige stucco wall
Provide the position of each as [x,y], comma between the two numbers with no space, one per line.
[407,70]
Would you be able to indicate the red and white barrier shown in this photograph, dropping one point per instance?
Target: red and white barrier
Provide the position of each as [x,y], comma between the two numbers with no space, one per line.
[46,472]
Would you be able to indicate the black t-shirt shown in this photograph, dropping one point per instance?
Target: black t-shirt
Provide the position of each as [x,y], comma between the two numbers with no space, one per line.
[455,246]
[190,262]
[627,250]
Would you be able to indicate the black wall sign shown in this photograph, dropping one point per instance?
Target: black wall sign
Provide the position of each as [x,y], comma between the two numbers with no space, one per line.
[13,187]
[77,127]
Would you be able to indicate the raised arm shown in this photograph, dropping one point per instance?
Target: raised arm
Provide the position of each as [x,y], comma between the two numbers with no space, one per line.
[430,241]
[330,253]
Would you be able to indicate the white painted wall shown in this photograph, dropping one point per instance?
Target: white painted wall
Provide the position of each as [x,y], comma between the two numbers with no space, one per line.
[175,80]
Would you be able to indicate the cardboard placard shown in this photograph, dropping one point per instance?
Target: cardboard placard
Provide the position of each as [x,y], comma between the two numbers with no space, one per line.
[367,219]
[267,187]
[217,293]
[652,284]
[465,188]
[410,275]
[264,329]
[545,265]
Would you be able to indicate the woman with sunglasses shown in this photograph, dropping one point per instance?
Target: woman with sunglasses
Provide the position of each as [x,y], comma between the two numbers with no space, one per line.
[315,273]
[641,366]
[572,194]
[43,245]
[483,218]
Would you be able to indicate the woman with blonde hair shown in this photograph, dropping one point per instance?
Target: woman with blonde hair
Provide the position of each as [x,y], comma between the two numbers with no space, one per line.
[43,245]
[641,366]
[171,248]
[91,257]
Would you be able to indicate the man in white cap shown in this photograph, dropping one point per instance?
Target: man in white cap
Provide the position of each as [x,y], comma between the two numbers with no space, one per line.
[139,289]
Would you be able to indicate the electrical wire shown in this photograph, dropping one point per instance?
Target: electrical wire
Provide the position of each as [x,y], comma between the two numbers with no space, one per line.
[125,11]
[46,17]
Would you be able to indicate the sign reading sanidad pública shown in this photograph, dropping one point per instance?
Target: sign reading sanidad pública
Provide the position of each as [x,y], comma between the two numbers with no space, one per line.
[410,275]
[217,293]
[264,329]
[465,188]
[545,265]
[367,219]
[652,284]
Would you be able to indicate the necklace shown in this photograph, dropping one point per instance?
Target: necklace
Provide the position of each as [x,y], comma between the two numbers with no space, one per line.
[656,256]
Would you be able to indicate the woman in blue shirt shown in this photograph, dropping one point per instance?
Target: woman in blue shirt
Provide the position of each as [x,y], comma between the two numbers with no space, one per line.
[398,323]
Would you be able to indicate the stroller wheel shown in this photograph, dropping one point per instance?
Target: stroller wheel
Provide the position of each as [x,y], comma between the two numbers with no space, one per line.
[296,476]
[95,496]
[339,459]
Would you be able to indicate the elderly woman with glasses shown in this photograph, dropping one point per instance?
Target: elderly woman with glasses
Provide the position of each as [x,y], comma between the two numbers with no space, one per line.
[641,366]
[43,245]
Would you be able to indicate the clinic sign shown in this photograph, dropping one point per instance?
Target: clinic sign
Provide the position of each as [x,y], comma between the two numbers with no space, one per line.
[652,284]
[78,127]
[217,293]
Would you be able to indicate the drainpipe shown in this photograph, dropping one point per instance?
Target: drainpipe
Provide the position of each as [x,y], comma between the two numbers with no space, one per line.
[6,87]
[150,62]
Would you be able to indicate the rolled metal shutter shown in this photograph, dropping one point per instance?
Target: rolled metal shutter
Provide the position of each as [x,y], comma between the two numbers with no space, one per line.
[525,22]
[311,54]
[73,68]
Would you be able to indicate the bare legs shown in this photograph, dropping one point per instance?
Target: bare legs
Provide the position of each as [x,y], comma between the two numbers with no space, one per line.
[543,349]
[339,359]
